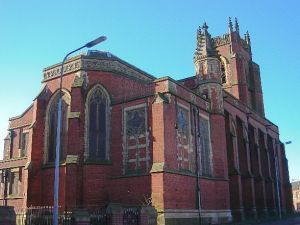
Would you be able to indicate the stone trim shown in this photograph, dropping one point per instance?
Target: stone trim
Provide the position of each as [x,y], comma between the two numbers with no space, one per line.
[160,168]
[73,115]
[21,126]
[72,159]
[87,63]
[12,159]
[212,216]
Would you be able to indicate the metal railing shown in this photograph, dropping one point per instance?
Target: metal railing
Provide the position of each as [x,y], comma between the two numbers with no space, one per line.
[101,217]
[131,216]
[42,215]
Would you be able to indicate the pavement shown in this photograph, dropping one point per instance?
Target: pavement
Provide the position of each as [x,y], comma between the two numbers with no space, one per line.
[293,220]
[287,221]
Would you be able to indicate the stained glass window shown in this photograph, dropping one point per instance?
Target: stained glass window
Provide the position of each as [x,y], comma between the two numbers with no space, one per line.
[182,120]
[136,147]
[184,153]
[135,122]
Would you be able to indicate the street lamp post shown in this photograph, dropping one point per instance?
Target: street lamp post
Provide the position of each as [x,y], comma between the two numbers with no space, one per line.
[58,130]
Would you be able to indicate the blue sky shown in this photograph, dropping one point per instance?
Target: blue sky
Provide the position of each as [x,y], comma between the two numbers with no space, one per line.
[156,36]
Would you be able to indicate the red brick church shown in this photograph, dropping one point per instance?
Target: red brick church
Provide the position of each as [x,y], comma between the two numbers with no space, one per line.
[200,146]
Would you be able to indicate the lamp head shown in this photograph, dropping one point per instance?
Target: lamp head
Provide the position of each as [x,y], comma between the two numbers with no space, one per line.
[95,42]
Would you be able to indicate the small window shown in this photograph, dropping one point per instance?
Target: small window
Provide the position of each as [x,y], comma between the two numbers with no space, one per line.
[14,183]
[24,143]
[223,73]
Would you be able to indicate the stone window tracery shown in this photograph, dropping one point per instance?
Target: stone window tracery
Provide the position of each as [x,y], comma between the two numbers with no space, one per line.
[136,155]
[184,148]
[205,147]
[51,126]
[97,124]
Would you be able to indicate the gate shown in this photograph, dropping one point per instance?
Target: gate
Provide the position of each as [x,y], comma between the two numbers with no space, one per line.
[131,216]
[101,217]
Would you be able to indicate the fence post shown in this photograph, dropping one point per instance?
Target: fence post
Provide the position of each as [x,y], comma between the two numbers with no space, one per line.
[7,215]
[148,215]
[117,212]
[81,216]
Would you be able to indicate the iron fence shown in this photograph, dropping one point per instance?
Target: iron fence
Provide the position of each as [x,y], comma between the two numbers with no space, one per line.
[42,216]
[101,217]
[131,216]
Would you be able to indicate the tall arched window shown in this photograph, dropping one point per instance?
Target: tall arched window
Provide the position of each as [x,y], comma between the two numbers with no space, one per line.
[205,146]
[51,126]
[235,146]
[97,124]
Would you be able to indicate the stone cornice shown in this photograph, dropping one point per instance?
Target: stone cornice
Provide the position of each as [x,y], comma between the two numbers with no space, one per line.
[87,63]
[13,162]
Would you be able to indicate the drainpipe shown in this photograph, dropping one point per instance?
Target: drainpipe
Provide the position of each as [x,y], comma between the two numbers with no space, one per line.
[196,135]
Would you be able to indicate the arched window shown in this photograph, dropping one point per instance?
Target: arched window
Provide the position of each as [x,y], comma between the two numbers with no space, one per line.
[51,126]
[205,146]
[235,146]
[97,124]
[224,71]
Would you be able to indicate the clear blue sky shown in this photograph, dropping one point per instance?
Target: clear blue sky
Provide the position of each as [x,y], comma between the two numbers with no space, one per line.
[156,36]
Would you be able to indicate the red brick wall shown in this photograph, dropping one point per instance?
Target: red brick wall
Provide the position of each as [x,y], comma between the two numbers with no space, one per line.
[179,191]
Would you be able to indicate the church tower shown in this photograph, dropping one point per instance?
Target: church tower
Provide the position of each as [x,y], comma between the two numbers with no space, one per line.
[240,75]
[208,70]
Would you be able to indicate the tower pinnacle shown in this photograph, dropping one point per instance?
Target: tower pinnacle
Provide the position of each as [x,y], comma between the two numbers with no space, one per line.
[236,25]
[204,44]
[204,27]
[208,70]
[230,25]
[247,38]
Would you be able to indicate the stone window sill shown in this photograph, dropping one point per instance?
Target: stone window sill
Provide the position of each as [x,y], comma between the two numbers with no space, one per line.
[14,197]
[52,164]
[97,162]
